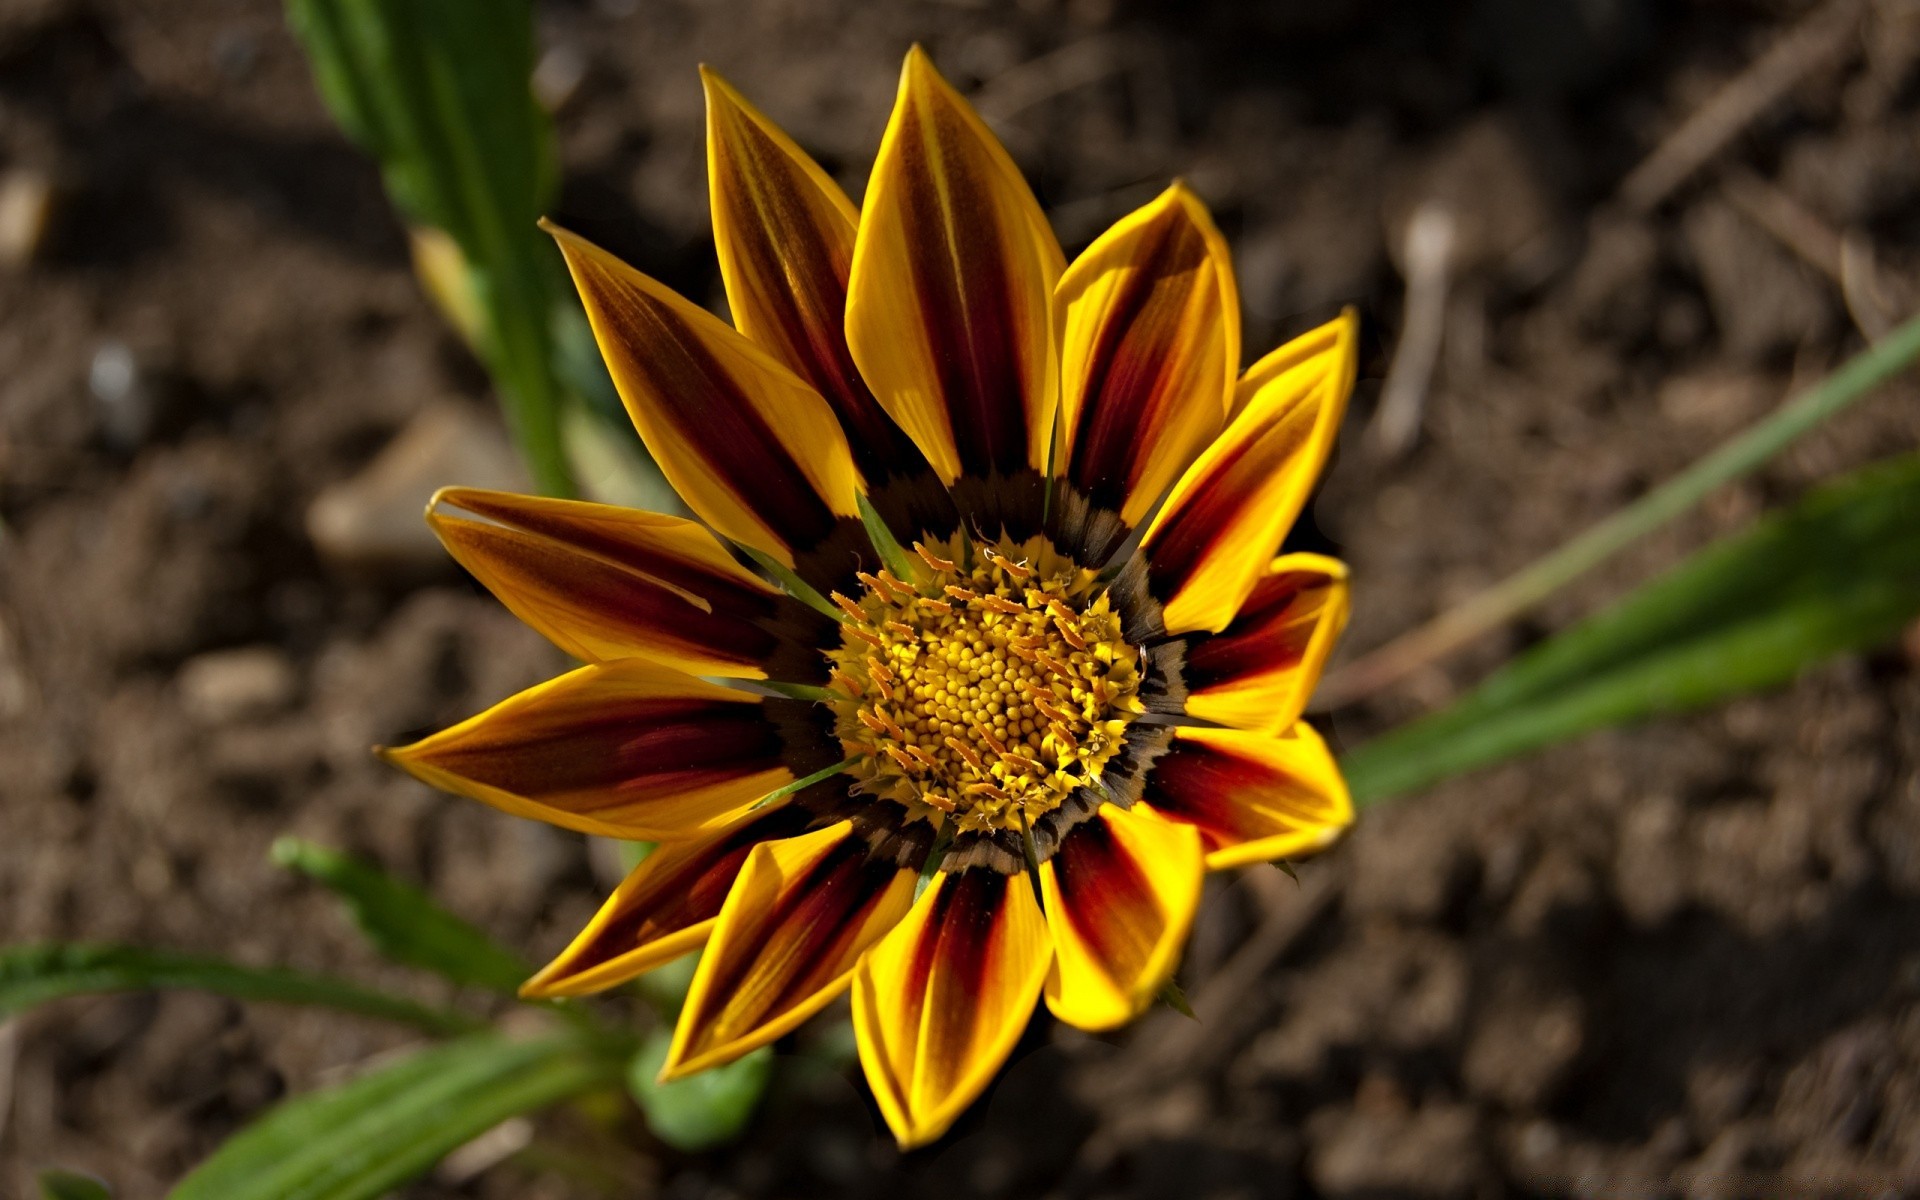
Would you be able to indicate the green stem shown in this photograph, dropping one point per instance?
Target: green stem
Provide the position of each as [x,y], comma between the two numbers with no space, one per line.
[801,691]
[1738,456]
[802,784]
[796,587]
[522,365]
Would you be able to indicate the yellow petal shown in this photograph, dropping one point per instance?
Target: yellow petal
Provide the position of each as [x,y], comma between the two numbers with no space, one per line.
[1149,334]
[607,583]
[1260,671]
[1252,796]
[784,232]
[627,749]
[801,913]
[748,445]
[1121,893]
[1212,542]
[664,908]
[953,273]
[941,1001]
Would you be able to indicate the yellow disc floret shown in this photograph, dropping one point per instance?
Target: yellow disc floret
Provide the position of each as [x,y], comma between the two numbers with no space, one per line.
[988,687]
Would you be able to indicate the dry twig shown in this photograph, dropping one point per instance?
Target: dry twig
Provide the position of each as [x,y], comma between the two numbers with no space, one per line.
[1820,39]
[1845,259]
[1428,256]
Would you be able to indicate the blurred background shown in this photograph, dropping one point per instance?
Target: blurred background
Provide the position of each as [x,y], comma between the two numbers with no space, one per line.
[1680,960]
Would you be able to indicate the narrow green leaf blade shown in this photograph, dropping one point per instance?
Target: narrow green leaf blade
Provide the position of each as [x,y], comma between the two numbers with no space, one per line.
[701,1111]
[403,923]
[891,552]
[67,1185]
[31,975]
[362,1138]
[439,91]
[1836,573]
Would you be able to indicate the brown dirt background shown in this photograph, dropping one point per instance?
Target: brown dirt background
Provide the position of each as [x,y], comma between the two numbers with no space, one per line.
[1681,960]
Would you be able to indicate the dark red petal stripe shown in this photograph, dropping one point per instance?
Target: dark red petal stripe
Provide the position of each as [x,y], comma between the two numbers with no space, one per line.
[694,891]
[725,592]
[966,914]
[1107,899]
[968,299]
[694,392]
[626,748]
[1272,632]
[644,616]
[1202,786]
[1182,542]
[1126,393]
[802,324]
[810,930]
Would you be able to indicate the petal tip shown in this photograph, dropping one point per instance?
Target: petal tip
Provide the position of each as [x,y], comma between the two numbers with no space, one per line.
[444,495]
[538,987]
[919,76]
[718,91]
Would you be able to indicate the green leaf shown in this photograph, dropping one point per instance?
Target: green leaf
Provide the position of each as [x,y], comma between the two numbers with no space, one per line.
[701,1111]
[891,552]
[439,91]
[360,1139]
[1175,997]
[31,975]
[403,923]
[1838,572]
[66,1185]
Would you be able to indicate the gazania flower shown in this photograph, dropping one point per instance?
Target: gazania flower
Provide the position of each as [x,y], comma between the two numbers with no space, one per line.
[1019,665]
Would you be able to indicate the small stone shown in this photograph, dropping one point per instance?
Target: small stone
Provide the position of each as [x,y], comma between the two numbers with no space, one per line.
[558,76]
[230,685]
[124,399]
[26,212]
[372,521]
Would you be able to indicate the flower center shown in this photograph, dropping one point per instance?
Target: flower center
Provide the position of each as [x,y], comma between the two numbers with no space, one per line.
[988,687]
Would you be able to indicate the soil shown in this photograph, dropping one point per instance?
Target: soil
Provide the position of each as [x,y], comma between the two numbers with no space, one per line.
[1681,960]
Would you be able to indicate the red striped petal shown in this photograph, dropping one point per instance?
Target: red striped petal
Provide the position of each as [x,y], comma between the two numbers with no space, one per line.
[784,232]
[798,918]
[1149,333]
[1121,893]
[607,583]
[663,909]
[749,446]
[952,277]
[1260,671]
[939,1004]
[627,749]
[1227,515]
[1253,796]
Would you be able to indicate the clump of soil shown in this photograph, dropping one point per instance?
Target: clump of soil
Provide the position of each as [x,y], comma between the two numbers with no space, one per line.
[1674,961]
